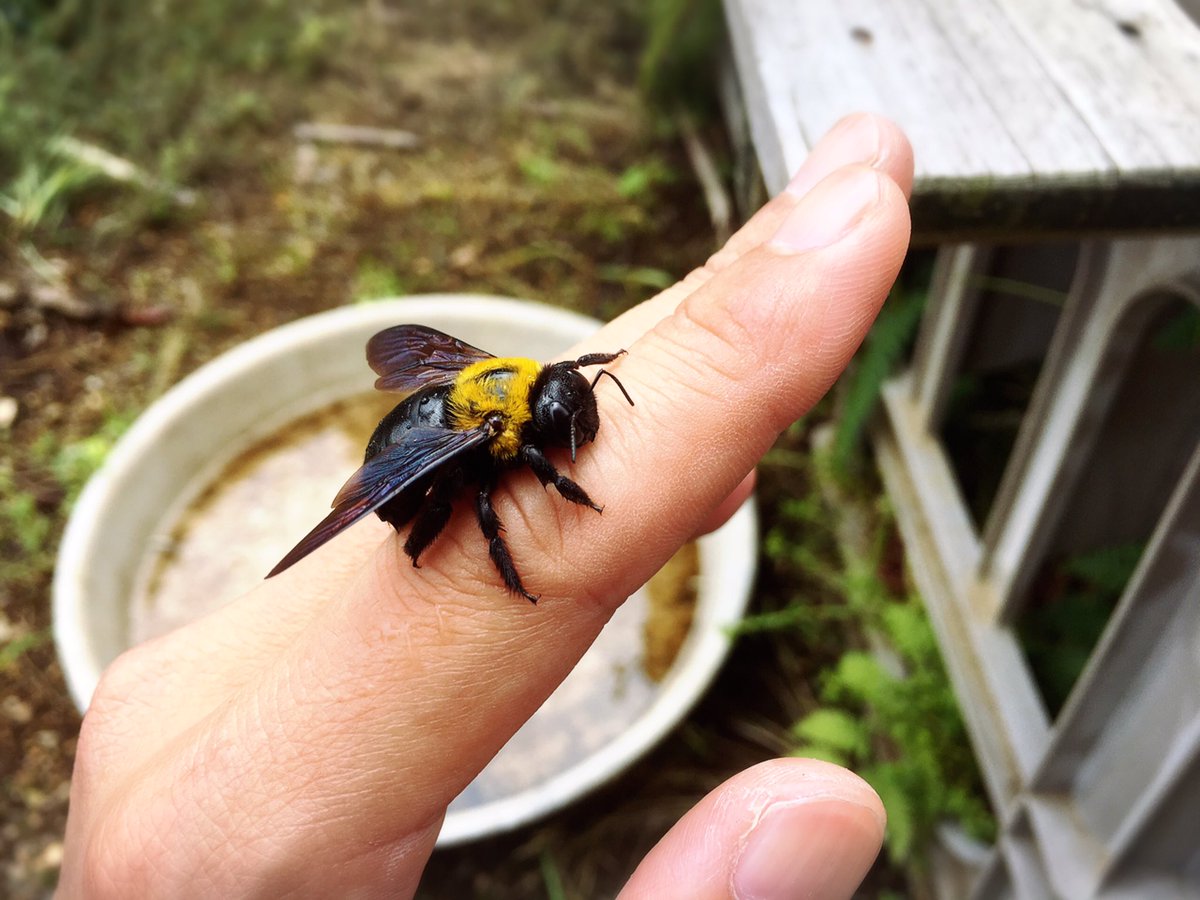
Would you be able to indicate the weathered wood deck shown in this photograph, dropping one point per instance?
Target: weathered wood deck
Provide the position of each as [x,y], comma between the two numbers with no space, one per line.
[1026,116]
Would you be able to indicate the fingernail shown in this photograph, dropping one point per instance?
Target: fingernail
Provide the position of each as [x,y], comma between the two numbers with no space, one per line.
[829,212]
[854,139]
[820,848]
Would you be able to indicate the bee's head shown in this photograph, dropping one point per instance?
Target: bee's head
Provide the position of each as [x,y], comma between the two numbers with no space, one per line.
[564,407]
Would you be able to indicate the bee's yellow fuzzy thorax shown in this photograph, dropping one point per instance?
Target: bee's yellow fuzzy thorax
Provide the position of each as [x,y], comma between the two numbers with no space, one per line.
[490,386]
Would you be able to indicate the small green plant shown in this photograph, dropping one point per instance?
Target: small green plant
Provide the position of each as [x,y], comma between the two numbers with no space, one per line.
[799,545]
[640,180]
[1073,604]
[74,462]
[540,169]
[13,649]
[1179,330]
[891,717]
[36,493]
[551,876]
[886,346]
[21,518]
[375,280]
[26,534]
[635,276]
[38,196]
[677,67]
[902,732]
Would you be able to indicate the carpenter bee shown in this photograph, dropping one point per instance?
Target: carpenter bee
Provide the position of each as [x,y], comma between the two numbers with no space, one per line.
[466,416]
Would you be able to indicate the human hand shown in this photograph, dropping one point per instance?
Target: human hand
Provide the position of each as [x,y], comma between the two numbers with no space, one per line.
[308,737]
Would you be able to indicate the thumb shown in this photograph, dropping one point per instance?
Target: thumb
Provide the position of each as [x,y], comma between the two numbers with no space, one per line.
[783,829]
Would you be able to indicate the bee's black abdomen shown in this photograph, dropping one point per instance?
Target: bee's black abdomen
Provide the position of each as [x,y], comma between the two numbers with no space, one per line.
[424,409]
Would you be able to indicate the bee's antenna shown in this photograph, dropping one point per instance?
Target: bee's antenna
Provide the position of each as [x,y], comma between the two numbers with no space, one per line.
[573,417]
[614,378]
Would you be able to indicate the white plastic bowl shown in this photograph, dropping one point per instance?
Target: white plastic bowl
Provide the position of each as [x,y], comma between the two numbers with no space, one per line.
[165,461]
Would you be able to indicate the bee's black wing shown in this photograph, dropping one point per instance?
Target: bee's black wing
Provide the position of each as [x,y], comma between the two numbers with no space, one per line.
[396,468]
[410,357]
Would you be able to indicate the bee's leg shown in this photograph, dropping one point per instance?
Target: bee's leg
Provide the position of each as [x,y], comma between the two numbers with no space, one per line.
[547,474]
[490,525]
[399,511]
[433,516]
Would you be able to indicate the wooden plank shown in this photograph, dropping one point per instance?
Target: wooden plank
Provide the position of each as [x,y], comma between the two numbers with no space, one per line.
[1000,704]
[920,72]
[995,882]
[945,328]
[1004,211]
[1027,118]
[764,75]
[990,87]
[1147,648]
[1072,855]
[1051,134]
[998,766]
[822,87]
[1024,865]
[862,54]
[1161,835]
[1132,70]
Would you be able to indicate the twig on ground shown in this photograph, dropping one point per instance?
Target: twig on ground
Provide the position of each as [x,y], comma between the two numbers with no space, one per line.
[119,169]
[364,135]
[720,207]
[47,287]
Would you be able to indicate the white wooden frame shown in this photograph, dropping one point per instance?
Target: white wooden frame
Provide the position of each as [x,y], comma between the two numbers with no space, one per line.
[1105,799]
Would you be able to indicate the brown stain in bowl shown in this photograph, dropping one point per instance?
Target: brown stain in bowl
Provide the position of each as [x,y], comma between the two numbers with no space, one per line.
[672,608]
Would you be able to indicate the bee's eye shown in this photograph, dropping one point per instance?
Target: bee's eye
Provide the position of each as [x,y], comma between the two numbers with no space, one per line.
[560,418]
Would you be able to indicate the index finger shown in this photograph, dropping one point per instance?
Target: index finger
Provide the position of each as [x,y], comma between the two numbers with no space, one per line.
[400,689]
[240,635]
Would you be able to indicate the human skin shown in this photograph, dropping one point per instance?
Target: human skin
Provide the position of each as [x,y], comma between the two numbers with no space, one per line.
[307,738]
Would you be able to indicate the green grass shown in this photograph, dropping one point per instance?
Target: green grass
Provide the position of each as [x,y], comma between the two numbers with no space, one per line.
[677,68]
[22,517]
[14,648]
[31,517]
[38,195]
[176,88]
[885,348]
